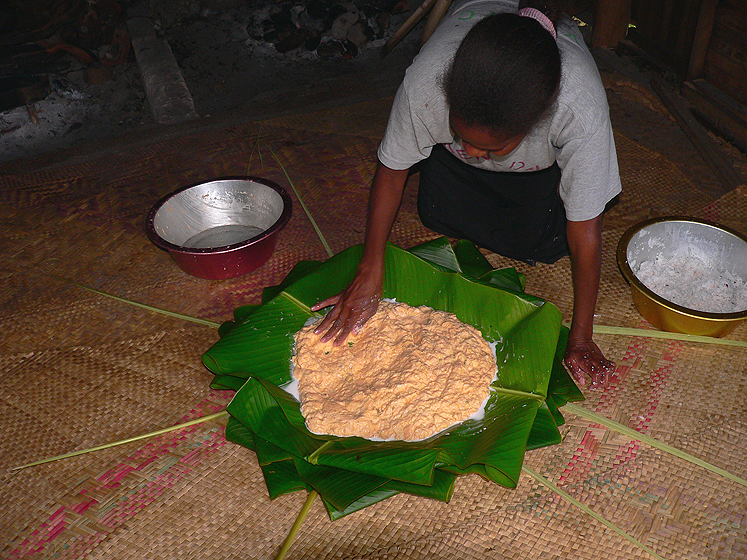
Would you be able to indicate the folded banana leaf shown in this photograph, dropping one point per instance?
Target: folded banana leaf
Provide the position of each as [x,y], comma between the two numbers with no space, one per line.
[254,353]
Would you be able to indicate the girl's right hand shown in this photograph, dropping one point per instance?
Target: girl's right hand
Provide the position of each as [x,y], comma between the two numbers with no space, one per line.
[359,301]
[352,307]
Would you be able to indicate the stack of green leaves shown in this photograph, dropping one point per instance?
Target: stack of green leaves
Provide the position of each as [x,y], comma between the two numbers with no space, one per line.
[254,353]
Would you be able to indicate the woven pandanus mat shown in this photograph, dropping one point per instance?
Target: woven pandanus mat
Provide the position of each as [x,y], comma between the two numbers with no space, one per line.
[730,210]
[365,119]
[652,186]
[78,369]
[190,493]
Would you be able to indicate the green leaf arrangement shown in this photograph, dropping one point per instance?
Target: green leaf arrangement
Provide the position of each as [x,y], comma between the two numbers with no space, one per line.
[254,353]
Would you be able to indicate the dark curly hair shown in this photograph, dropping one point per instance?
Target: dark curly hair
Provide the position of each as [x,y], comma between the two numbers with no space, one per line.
[506,72]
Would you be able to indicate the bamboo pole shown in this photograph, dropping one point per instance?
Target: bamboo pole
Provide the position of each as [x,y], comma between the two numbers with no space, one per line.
[434,18]
[416,16]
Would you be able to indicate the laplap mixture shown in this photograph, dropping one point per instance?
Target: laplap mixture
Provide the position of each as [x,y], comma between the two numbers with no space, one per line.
[409,374]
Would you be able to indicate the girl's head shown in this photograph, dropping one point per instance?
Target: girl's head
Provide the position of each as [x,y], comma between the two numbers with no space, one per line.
[505,73]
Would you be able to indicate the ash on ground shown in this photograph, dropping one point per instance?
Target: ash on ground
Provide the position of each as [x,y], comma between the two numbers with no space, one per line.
[86,85]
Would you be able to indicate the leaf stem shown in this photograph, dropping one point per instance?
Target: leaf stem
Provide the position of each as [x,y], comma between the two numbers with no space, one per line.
[308,214]
[297,302]
[635,434]
[565,495]
[216,416]
[197,320]
[315,455]
[297,525]
[627,331]
[514,392]
[251,154]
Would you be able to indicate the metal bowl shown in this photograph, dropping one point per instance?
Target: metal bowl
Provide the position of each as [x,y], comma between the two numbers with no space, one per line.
[665,235]
[222,228]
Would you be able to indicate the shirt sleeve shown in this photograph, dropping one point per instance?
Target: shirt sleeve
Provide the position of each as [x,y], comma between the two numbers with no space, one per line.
[407,139]
[590,175]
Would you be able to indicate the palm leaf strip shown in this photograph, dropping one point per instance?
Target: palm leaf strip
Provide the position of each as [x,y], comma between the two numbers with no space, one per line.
[202,419]
[586,509]
[627,331]
[638,436]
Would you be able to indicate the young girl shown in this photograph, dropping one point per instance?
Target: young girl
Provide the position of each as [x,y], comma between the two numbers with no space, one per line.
[505,116]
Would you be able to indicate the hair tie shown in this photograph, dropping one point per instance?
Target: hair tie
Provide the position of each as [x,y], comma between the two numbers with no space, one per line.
[543,20]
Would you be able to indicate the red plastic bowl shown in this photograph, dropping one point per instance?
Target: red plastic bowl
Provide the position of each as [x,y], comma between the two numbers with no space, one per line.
[222,228]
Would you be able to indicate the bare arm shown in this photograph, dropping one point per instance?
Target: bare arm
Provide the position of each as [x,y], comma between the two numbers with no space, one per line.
[582,356]
[358,302]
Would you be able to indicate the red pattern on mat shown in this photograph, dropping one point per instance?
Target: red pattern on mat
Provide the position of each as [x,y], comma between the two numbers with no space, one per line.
[583,459]
[112,516]
[657,381]
[712,212]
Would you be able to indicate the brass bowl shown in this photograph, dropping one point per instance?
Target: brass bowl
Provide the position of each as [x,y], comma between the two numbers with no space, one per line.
[662,236]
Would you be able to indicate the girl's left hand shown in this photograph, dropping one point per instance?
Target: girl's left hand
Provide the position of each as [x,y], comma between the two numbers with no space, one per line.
[584,358]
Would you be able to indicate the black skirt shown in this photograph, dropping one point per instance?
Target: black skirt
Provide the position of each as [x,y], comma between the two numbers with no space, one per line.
[517,215]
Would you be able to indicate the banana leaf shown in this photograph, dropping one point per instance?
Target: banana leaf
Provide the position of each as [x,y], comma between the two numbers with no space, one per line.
[254,353]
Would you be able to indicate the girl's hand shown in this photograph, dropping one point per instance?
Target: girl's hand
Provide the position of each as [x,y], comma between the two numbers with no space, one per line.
[352,308]
[583,358]
[359,301]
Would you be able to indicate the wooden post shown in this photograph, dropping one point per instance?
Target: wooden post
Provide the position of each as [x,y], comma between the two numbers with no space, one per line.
[611,19]
[716,160]
[706,19]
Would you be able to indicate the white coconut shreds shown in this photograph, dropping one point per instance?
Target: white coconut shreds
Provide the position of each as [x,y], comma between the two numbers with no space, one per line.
[690,282]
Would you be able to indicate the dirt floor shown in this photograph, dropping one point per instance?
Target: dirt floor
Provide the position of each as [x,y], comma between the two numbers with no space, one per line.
[233,77]
[230,76]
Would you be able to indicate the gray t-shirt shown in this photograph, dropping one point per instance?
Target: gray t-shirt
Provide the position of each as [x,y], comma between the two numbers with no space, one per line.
[577,134]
